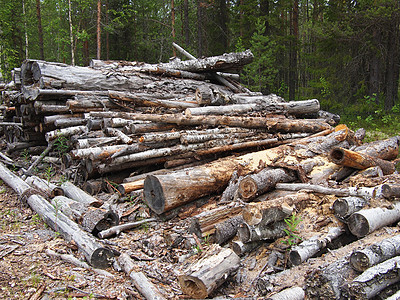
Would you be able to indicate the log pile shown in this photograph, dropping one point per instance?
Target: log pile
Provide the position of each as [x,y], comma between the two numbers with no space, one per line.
[245,185]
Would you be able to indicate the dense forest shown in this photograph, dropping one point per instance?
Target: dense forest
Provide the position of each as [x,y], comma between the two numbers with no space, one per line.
[345,53]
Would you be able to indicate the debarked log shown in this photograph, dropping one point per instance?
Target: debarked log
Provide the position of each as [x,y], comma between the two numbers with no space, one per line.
[48,188]
[310,247]
[214,266]
[256,184]
[363,259]
[115,230]
[143,285]
[66,132]
[77,194]
[375,279]
[366,221]
[359,160]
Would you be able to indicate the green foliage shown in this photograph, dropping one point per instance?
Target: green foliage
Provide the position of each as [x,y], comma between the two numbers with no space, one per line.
[61,145]
[291,231]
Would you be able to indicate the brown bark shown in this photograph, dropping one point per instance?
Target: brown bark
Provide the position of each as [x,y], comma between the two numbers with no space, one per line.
[358,160]
[40,30]
[209,272]
[126,188]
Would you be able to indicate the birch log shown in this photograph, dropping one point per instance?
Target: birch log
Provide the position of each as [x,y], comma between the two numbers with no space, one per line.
[346,206]
[211,270]
[366,221]
[363,259]
[77,194]
[375,279]
[294,293]
[249,233]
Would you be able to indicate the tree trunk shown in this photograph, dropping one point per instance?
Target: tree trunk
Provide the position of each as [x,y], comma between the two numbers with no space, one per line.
[366,221]
[294,293]
[361,260]
[375,279]
[48,188]
[71,36]
[391,191]
[345,207]
[140,281]
[40,30]
[75,193]
[227,230]
[312,246]
[115,230]
[358,160]
[98,30]
[209,272]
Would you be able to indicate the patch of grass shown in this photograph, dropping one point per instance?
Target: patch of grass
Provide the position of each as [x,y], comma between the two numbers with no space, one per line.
[291,230]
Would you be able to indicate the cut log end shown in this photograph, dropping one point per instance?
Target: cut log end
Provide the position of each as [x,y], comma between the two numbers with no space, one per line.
[247,188]
[341,207]
[193,287]
[295,258]
[252,216]
[102,258]
[359,261]
[154,194]
[337,155]
[358,225]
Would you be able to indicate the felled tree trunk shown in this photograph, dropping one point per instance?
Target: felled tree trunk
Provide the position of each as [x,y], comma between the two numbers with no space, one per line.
[256,184]
[77,194]
[310,247]
[363,259]
[294,293]
[358,160]
[213,267]
[391,191]
[226,230]
[344,207]
[375,279]
[48,188]
[366,221]
[249,233]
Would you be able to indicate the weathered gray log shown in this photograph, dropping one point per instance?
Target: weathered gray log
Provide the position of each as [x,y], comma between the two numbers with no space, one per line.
[310,247]
[391,191]
[71,208]
[95,254]
[33,93]
[116,230]
[363,259]
[98,219]
[143,100]
[48,120]
[346,206]
[69,122]
[48,188]
[375,279]
[366,221]
[241,248]
[54,107]
[249,233]
[294,108]
[119,134]
[294,293]
[254,185]
[365,192]
[226,230]
[359,160]
[77,194]
[211,270]
[39,159]
[140,281]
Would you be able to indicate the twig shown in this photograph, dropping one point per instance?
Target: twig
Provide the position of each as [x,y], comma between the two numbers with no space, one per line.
[117,229]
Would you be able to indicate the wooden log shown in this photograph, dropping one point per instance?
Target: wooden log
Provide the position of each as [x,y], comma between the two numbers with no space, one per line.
[306,249]
[143,100]
[53,107]
[48,188]
[391,191]
[34,93]
[96,220]
[247,233]
[164,192]
[226,230]
[204,224]
[69,122]
[81,143]
[375,279]
[127,187]
[140,281]
[366,221]
[77,194]
[361,260]
[48,120]
[270,124]
[119,134]
[346,206]
[96,153]
[358,160]
[293,293]
[93,187]
[67,132]
[71,208]
[213,267]
[95,254]
[267,211]
[116,230]
[39,159]
[241,248]
[150,127]
[254,185]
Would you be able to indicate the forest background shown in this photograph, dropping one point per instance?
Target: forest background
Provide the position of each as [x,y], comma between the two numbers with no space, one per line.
[344,53]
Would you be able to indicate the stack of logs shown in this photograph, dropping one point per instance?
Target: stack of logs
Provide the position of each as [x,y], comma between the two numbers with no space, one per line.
[169,130]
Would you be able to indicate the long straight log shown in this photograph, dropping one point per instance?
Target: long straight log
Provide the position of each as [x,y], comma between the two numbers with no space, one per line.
[143,285]
[358,160]
[363,259]
[209,272]
[164,192]
[77,194]
[95,254]
[48,188]
[375,279]
[366,221]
